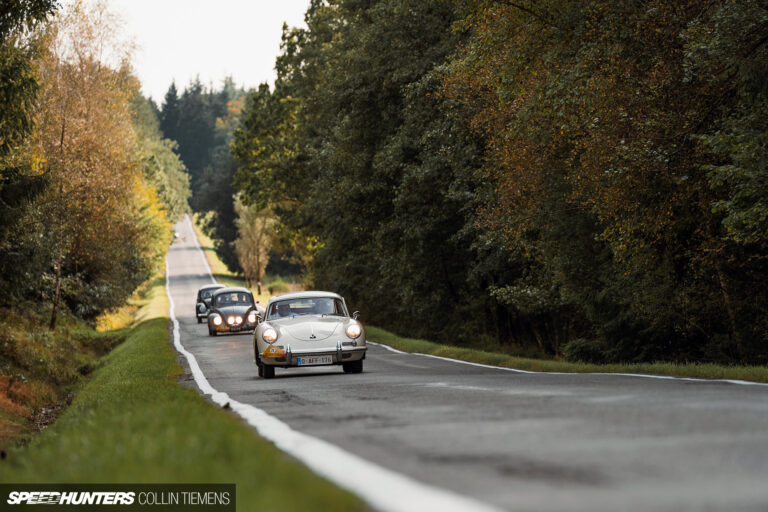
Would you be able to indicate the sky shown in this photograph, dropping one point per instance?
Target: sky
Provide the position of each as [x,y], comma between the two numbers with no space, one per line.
[180,39]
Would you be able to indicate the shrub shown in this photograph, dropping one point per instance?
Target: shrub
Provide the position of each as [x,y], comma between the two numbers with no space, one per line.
[585,351]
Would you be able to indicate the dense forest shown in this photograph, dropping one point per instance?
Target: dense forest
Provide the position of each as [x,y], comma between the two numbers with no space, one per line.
[89,188]
[201,120]
[588,179]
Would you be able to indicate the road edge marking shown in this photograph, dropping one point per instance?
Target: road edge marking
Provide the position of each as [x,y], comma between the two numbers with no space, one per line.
[382,488]
[199,248]
[517,370]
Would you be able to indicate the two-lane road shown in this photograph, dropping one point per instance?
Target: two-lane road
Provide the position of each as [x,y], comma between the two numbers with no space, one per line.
[518,441]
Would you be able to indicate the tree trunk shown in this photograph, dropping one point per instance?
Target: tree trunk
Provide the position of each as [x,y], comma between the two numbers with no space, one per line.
[258,267]
[729,309]
[57,293]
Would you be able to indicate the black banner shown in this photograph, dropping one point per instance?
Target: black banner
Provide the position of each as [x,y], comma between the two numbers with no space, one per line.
[154,497]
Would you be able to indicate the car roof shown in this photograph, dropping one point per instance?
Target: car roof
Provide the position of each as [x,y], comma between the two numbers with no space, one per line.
[217,285]
[229,289]
[304,295]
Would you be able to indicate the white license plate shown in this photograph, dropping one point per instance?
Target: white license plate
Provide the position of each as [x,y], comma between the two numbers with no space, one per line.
[311,360]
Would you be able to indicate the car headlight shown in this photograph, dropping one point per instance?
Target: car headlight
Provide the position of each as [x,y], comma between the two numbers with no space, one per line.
[239,320]
[354,331]
[252,317]
[216,320]
[269,335]
[201,307]
[230,319]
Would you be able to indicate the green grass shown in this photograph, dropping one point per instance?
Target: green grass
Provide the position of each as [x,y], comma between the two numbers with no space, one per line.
[132,422]
[695,370]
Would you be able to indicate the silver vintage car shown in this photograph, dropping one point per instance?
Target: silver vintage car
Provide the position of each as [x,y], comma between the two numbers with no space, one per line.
[308,329]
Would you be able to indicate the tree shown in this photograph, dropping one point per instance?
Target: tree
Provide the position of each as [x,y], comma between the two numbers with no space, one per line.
[169,116]
[21,179]
[161,165]
[104,224]
[254,241]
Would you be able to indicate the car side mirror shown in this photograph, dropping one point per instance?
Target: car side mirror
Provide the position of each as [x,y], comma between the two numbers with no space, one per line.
[356,315]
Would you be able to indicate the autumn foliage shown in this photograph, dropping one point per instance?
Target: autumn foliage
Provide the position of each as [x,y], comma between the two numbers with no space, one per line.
[101,221]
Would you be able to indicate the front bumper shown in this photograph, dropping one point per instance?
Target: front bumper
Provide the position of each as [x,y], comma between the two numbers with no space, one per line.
[285,357]
[244,327]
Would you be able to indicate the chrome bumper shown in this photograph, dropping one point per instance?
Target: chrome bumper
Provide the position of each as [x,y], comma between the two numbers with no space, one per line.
[339,354]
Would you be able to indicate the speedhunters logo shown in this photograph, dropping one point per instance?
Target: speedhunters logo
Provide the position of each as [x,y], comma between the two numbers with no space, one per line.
[70,498]
[196,497]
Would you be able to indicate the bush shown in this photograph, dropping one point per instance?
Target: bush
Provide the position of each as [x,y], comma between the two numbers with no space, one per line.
[278,286]
[585,351]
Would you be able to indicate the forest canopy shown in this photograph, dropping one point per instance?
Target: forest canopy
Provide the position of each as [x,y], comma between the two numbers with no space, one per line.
[587,178]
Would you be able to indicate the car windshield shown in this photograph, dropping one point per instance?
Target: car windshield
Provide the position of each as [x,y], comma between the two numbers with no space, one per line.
[206,294]
[306,306]
[234,299]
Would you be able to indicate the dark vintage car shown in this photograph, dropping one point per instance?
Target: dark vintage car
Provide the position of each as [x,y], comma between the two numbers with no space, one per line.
[203,304]
[233,310]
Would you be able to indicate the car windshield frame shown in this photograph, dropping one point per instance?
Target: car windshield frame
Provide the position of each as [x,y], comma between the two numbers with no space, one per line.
[223,300]
[305,306]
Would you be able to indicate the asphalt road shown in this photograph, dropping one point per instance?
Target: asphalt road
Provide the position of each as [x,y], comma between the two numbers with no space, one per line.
[536,442]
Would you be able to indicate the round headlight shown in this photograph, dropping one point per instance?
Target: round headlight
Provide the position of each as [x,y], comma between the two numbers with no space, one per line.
[201,307]
[216,320]
[230,319]
[252,317]
[269,335]
[354,331]
[239,320]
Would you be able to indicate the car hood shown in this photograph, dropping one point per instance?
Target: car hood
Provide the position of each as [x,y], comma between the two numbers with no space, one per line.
[310,327]
[234,310]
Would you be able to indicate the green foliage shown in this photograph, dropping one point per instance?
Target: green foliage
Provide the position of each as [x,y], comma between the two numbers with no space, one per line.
[161,165]
[20,178]
[368,169]
[536,173]
[595,113]
[728,47]
[584,351]
[201,122]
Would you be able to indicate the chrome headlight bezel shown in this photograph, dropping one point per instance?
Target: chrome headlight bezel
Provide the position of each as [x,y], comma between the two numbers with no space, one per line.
[216,319]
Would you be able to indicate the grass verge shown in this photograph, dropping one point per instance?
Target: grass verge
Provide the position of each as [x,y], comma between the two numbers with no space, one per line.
[694,370]
[132,422]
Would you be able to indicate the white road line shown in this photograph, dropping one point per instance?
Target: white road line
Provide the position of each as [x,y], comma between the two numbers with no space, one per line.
[382,488]
[515,370]
[391,349]
[200,249]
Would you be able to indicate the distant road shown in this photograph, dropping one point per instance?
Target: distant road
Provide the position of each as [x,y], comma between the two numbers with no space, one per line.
[528,442]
